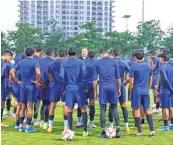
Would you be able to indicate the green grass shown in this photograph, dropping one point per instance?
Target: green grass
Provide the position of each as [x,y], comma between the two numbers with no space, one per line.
[11,136]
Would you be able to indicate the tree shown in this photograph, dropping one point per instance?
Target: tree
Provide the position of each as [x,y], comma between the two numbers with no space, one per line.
[150,34]
[25,34]
[4,43]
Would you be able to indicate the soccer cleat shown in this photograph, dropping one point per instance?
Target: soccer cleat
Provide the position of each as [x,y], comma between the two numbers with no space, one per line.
[126,129]
[171,127]
[139,134]
[49,130]
[45,126]
[118,134]
[16,127]
[21,129]
[4,125]
[78,124]
[152,134]
[30,130]
[86,133]
[102,134]
[91,125]
[9,113]
[36,123]
[164,128]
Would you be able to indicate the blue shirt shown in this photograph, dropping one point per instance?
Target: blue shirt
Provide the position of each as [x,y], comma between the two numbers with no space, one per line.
[156,62]
[19,57]
[90,63]
[130,63]
[166,78]
[4,66]
[27,69]
[141,72]
[123,67]
[18,76]
[75,71]
[57,70]
[108,70]
[44,64]
[35,57]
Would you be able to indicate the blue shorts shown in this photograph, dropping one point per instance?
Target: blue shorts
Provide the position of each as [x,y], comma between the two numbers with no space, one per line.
[90,91]
[122,98]
[44,93]
[28,93]
[165,100]
[140,99]
[108,94]
[9,88]
[154,83]
[3,94]
[75,94]
[56,92]
[172,101]
[16,92]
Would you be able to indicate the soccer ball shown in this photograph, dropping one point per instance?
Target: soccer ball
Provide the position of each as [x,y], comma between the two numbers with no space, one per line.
[67,135]
[110,132]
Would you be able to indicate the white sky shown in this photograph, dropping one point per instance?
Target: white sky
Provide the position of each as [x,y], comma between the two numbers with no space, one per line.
[154,9]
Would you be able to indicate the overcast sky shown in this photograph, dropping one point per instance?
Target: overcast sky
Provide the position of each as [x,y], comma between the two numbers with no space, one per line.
[154,9]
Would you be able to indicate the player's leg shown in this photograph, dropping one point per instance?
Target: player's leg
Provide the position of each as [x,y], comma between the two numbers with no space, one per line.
[110,117]
[79,118]
[142,113]
[46,117]
[42,113]
[18,114]
[8,104]
[125,115]
[171,113]
[22,117]
[36,110]
[65,116]
[103,120]
[51,115]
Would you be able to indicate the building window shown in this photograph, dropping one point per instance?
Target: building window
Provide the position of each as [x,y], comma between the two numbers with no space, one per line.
[88,18]
[71,23]
[88,2]
[75,28]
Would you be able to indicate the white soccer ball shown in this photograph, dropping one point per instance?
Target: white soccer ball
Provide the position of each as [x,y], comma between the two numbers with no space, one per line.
[110,132]
[67,135]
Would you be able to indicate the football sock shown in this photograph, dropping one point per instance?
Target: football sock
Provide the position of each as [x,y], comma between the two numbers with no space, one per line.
[102,115]
[125,114]
[51,121]
[110,115]
[165,122]
[154,99]
[14,110]
[79,114]
[115,114]
[172,121]
[17,122]
[111,124]
[138,124]
[42,112]
[150,122]
[65,122]
[36,109]
[8,103]
[46,113]
[92,112]
[157,105]
[21,119]
[70,120]
[142,121]
[1,114]
[28,122]
[85,120]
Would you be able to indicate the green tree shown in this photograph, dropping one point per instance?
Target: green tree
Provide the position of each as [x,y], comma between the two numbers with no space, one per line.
[4,43]
[150,34]
[25,34]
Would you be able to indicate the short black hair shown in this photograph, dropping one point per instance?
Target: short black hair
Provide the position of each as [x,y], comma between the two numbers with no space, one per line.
[91,54]
[62,52]
[49,51]
[72,51]
[29,51]
[153,52]
[164,56]
[133,53]
[7,51]
[116,52]
[103,50]
[38,49]
[164,50]
[139,54]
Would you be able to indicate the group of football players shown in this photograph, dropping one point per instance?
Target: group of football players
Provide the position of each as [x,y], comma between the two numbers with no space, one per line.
[78,82]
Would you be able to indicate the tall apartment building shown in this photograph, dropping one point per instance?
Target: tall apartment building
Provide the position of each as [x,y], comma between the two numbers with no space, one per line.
[69,14]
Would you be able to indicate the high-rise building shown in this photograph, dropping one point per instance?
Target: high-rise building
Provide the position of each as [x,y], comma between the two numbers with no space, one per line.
[69,14]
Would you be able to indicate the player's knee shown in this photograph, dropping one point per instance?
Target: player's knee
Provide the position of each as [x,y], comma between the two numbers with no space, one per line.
[123,105]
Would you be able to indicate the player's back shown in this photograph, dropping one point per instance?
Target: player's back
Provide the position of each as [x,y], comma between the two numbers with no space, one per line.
[107,68]
[27,69]
[164,88]
[156,62]
[130,63]
[75,71]
[19,57]
[90,63]
[141,72]
[44,64]
[56,69]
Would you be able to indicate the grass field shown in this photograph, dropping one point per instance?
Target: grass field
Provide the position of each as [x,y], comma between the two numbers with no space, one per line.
[11,136]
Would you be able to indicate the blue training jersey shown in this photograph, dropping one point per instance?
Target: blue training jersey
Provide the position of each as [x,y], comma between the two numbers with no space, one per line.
[156,62]
[141,72]
[19,57]
[108,70]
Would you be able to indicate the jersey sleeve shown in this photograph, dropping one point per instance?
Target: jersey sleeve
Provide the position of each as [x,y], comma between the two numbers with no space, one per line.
[117,70]
[83,71]
[95,72]
[131,74]
[36,65]
[16,67]
[127,67]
